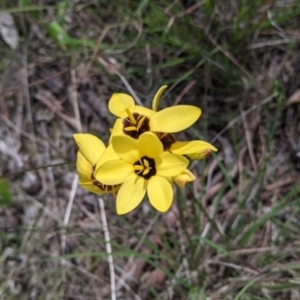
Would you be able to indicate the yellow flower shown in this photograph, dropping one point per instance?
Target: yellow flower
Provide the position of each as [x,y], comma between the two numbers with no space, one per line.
[184,177]
[133,120]
[92,151]
[193,150]
[143,167]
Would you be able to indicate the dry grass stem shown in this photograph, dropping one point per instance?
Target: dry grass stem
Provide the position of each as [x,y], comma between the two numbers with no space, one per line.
[108,249]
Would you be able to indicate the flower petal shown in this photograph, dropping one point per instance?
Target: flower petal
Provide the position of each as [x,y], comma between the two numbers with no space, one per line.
[89,186]
[160,193]
[144,111]
[113,172]
[131,194]
[193,149]
[83,167]
[117,129]
[119,102]
[175,118]
[171,165]
[150,145]
[126,148]
[184,177]
[157,97]
[108,154]
[90,146]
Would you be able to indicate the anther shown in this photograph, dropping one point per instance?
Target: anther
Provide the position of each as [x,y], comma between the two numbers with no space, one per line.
[138,167]
[146,171]
[140,122]
[146,163]
[130,116]
[130,128]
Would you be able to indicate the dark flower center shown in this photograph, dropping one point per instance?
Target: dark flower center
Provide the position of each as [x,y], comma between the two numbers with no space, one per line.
[135,124]
[145,167]
[167,139]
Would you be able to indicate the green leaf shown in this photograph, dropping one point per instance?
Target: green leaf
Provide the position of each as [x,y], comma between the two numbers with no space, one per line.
[5,194]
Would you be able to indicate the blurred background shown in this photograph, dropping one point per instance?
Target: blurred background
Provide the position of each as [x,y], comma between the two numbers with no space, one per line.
[231,234]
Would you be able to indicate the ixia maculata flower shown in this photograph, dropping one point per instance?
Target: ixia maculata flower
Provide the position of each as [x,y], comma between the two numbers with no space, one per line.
[133,120]
[143,167]
[92,151]
[143,156]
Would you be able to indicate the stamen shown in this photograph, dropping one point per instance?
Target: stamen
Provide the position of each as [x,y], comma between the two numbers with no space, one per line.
[140,122]
[138,168]
[145,167]
[130,128]
[146,171]
[135,124]
[146,163]
[130,116]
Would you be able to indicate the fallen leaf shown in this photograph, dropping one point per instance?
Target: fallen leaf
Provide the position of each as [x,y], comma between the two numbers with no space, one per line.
[8,30]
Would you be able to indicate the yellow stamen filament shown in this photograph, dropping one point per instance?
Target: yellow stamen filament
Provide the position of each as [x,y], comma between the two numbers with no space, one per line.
[130,116]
